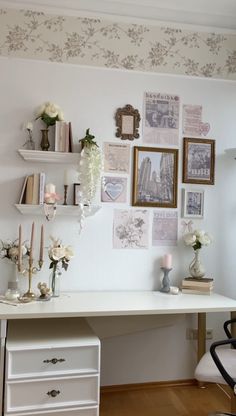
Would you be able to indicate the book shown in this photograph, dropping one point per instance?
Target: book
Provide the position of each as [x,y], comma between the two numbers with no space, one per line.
[23,191]
[29,189]
[62,132]
[199,279]
[193,283]
[35,196]
[200,288]
[197,292]
[42,178]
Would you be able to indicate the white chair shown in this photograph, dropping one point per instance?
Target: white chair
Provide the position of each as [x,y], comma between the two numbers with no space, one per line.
[219,364]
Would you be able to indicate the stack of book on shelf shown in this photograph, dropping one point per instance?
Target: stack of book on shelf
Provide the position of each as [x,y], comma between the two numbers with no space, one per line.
[197,286]
[63,137]
[33,189]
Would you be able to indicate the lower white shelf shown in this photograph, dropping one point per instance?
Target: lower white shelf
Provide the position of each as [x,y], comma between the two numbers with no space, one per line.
[66,210]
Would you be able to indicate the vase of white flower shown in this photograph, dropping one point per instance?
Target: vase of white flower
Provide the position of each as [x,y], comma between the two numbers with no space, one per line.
[60,256]
[196,269]
[54,281]
[49,113]
[196,240]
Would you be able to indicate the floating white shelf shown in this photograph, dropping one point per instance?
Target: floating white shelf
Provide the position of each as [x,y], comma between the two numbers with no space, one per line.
[49,157]
[66,210]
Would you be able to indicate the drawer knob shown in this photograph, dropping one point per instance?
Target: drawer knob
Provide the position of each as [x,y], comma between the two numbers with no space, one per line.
[54,360]
[53,393]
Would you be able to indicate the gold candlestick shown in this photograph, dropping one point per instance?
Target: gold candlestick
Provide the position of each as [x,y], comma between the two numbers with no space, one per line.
[31,270]
[65,194]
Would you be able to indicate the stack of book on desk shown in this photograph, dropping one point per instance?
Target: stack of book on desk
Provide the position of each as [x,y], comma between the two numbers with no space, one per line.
[197,286]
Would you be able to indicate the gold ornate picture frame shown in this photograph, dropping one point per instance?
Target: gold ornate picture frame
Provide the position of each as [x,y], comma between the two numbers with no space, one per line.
[127,123]
[199,161]
[155,177]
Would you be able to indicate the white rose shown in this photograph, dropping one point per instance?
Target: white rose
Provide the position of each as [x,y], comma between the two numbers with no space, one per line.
[57,253]
[7,244]
[13,252]
[51,110]
[69,253]
[40,111]
[60,115]
[190,239]
[199,233]
[23,250]
[205,239]
[3,253]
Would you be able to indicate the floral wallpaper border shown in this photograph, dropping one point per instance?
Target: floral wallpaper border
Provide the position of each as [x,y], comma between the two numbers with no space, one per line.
[95,42]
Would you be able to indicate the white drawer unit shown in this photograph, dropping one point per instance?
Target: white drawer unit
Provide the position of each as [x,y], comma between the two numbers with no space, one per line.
[52,366]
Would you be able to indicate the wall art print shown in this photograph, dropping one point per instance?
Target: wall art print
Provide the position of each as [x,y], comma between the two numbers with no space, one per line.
[165,228]
[199,161]
[155,177]
[114,189]
[113,44]
[161,119]
[130,229]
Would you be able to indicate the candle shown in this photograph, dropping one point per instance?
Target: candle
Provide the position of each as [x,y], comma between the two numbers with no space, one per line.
[50,193]
[20,249]
[66,177]
[32,242]
[41,244]
[167,261]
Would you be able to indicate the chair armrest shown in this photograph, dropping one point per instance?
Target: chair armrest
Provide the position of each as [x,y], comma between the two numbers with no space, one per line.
[227,331]
[229,380]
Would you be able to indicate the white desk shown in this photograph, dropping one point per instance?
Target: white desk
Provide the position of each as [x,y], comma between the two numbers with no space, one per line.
[90,304]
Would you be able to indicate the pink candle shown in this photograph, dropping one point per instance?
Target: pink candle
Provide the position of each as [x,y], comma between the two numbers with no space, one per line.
[41,244]
[167,261]
[20,249]
[32,242]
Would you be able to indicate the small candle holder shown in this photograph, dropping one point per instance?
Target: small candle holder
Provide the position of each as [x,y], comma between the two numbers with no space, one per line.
[165,281]
[65,194]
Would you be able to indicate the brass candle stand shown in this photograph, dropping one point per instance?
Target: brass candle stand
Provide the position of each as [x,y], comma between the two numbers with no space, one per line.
[65,194]
[32,270]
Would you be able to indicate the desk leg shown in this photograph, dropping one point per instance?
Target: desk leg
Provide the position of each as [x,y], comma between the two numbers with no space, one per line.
[201,346]
[3,331]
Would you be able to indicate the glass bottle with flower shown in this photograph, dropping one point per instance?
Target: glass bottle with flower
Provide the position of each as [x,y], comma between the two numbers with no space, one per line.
[49,113]
[196,240]
[60,256]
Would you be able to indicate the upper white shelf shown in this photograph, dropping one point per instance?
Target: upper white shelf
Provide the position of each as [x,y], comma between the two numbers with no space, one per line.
[49,157]
[66,210]
[231,152]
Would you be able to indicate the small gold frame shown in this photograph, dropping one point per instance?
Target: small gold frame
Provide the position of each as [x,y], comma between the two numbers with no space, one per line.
[127,123]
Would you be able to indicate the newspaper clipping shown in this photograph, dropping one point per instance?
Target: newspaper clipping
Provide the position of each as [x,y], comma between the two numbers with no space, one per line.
[192,120]
[164,228]
[116,157]
[161,119]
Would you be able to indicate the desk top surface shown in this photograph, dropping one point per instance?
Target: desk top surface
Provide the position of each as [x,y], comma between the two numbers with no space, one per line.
[87,304]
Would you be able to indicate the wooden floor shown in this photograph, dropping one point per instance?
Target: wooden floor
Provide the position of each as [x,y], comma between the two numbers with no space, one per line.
[165,401]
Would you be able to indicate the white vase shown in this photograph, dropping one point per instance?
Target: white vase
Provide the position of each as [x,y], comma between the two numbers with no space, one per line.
[196,268]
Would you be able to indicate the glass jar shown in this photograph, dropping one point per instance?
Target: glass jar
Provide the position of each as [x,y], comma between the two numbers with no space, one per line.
[54,281]
[12,292]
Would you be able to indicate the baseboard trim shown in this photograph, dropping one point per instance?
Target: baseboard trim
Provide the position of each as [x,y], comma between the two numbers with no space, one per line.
[149,385]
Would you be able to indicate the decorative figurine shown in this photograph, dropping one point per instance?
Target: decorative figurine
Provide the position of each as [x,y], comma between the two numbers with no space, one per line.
[45,291]
[165,281]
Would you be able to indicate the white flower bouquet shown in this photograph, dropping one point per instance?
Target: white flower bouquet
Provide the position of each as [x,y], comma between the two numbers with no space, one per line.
[10,249]
[197,239]
[59,254]
[49,113]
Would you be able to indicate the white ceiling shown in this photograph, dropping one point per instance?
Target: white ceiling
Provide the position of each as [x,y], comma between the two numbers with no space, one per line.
[213,13]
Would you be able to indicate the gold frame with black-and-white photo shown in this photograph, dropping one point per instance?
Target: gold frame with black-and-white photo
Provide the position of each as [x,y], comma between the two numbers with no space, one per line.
[199,161]
[155,177]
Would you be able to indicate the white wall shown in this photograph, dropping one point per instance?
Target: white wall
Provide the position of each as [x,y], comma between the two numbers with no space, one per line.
[89,98]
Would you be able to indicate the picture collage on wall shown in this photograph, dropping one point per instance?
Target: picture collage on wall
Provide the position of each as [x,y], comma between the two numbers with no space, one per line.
[153,179]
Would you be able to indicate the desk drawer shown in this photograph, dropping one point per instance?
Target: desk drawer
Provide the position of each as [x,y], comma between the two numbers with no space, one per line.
[88,411]
[52,361]
[44,394]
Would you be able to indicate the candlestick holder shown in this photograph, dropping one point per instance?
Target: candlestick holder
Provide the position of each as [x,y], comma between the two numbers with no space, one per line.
[32,270]
[165,281]
[65,194]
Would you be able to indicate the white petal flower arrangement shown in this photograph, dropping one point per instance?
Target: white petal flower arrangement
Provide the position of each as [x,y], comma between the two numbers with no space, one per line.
[49,113]
[197,239]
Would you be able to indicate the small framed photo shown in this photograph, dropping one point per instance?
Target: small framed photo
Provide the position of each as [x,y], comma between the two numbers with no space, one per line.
[199,161]
[77,195]
[193,203]
[155,177]
[127,123]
